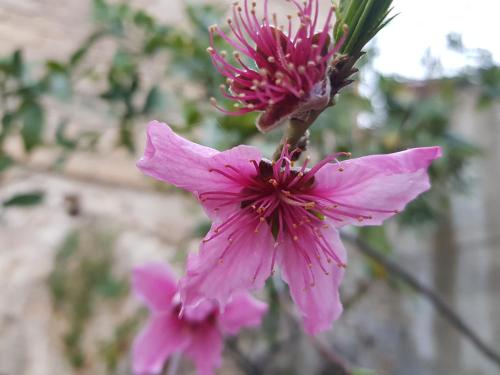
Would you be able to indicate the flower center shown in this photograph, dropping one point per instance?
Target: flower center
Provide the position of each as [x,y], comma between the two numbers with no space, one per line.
[287,201]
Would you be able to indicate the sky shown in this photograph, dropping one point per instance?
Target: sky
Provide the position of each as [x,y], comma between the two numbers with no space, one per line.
[424,24]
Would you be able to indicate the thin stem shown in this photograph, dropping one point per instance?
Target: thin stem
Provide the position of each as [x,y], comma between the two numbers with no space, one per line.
[340,364]
[439,304]
[295,134]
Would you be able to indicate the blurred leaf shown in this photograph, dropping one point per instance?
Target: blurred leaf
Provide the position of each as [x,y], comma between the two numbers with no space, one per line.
[111,288]
[203,16]
[62,140]
[5,162]
[192,114]
[81,277]
[17,63]
[113,350]
[154,101]
[32,117]
[25,199]
[202,228]
[363,371]
[7,123]
[142,19]
[82,51]
[55,67]
[126,137]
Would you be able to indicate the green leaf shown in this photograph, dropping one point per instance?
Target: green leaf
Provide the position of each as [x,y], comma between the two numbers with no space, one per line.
[154,101]
[61,138]
[81,52]
[363,371]
[25,199]
[17,63]
[32,117]
[5,162]
[364,18]
[126,136]
[7,122]
[192,114]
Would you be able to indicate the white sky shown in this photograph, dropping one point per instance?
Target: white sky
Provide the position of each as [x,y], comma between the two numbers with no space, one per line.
[424,24]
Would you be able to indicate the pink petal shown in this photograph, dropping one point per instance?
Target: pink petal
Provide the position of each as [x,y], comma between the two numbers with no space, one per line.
[205,349]
[187,165]
[223,268]
[377,186]
[199,312]
[276,114]
[242,311]
[162,336]
[315,293]
[155,284]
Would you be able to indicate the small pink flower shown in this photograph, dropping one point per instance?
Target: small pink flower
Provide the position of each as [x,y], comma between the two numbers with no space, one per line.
[267,213]
[286,70]
[197,332]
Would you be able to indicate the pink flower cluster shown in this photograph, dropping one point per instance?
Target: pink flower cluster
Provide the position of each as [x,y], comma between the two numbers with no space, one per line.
[266,216]
[197,331]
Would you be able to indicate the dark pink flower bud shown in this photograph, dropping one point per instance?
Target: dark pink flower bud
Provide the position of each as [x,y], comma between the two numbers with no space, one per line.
[281,70]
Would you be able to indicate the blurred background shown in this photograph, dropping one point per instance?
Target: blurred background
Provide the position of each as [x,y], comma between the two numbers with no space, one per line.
[79,80]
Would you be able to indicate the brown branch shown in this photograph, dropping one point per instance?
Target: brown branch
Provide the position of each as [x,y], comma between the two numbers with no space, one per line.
[439,304]
[341,367]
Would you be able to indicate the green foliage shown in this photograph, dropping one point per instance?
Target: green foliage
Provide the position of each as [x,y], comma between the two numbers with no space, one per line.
[118,347]
[364,18]
[32,117]
[489,85]
[363,371]
[82,277]
[5,162]
[24,199]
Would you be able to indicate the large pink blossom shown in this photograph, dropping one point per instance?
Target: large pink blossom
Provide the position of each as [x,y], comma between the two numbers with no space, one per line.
[197,332]
[266,214]
[279,69]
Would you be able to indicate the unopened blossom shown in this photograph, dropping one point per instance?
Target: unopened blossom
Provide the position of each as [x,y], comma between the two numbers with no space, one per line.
[279,69]
[277,214]
[197,332]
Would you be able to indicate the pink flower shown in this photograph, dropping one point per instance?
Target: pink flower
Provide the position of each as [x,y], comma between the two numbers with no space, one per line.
[197,332]
[286,70]
[267,213]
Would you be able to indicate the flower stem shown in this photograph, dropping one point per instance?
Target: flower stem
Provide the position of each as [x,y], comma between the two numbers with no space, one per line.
[296,135]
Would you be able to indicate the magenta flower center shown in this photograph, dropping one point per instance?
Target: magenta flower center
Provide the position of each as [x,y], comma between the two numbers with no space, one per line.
[210,319]
[287,201]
